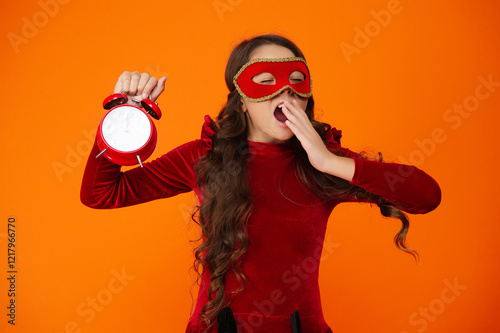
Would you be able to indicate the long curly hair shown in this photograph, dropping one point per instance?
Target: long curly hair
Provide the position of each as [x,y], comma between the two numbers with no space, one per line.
[226,202]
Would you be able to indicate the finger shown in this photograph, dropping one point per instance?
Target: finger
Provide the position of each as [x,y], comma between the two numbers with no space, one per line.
[295,130]
[118,86]
[307,139]
[123,83]
[297,116]
[303,129]
[144,79]
[159,88]
[134,83]
[152,82]
[290,113]
[296,110]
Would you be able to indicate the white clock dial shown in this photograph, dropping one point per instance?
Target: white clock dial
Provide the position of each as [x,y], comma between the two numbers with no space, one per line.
[126,128]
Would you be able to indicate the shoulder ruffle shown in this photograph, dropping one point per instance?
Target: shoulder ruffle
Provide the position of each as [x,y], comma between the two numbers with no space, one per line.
[207,131]
[333,135]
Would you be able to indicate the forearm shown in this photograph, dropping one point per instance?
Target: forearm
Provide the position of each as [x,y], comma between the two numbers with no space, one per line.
[104,185]
[339,166]
[406,186]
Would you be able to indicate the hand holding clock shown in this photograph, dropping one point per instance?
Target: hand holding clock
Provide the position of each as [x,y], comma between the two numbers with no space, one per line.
[138,86]
[126,134]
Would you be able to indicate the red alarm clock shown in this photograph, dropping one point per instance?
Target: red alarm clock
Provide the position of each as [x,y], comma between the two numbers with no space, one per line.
[126,134]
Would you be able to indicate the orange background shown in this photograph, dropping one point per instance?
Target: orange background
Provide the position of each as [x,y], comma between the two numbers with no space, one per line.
[389,96]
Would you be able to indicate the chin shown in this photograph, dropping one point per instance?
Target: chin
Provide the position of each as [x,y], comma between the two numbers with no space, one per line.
[284,136]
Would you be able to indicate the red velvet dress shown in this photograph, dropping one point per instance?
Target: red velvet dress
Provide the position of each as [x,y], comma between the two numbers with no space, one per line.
[286,228]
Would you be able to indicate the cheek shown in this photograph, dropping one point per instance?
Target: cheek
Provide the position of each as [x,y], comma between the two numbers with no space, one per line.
[302,104]
[258,112]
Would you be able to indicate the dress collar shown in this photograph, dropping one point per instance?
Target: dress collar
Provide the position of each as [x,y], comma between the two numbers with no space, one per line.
[268,148]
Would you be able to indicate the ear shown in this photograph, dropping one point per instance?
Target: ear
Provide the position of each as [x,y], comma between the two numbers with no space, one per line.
[243,105]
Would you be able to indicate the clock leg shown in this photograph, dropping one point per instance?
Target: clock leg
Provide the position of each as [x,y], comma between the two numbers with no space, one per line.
[139,159]
[102,152]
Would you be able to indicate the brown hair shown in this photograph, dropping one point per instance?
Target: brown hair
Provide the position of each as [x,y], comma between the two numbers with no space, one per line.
[226,203]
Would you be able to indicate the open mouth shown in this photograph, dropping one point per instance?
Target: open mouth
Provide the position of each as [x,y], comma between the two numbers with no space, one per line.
[278,114]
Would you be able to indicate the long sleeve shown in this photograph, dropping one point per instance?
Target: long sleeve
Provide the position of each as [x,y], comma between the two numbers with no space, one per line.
[406,186]
[104,185]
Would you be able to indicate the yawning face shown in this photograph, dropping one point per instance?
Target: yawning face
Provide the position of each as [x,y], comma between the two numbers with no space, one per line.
[266,119]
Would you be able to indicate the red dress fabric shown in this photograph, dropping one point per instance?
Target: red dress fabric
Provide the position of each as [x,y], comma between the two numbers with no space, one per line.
[286,229]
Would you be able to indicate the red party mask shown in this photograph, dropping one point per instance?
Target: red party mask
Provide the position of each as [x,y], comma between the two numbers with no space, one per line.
[281,69]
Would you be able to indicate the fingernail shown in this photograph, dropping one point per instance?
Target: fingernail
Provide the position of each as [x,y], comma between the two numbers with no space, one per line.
[144,95]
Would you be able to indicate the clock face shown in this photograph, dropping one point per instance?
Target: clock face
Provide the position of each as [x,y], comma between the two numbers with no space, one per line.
[126,128]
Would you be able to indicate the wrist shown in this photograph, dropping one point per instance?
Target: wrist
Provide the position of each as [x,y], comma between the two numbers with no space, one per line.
[339,166]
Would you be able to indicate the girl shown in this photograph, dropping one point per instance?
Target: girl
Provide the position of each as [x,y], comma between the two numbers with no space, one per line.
[267,176]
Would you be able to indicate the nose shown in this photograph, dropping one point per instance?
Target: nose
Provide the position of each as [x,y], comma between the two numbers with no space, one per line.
[287,91]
